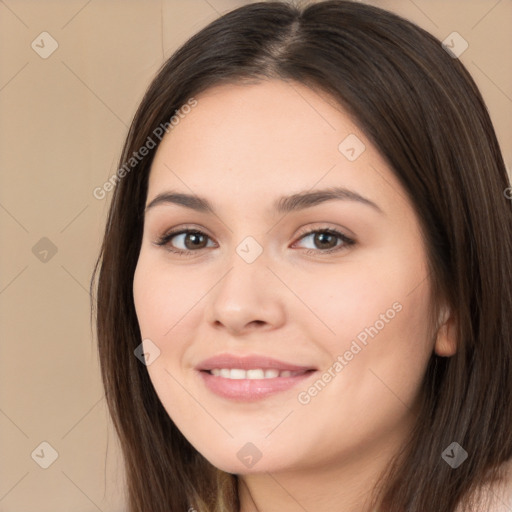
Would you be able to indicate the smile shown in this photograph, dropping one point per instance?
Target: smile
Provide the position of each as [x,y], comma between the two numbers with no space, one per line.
[251,385]
[257,373]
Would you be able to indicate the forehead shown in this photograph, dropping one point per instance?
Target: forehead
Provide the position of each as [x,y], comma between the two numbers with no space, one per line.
[277,112]
[263,140]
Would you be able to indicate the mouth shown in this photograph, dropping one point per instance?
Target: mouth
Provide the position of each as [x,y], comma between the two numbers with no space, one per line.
[250,378]
[253,374]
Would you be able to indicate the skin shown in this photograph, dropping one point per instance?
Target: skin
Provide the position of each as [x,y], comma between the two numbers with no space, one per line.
[242,147]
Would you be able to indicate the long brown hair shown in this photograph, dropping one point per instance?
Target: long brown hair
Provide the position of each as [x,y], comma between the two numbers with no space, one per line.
[422,110]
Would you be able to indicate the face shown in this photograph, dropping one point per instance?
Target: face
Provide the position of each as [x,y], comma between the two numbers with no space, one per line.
[316,307]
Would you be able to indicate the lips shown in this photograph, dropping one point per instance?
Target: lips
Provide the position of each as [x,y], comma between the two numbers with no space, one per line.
[249,362]
[251,377]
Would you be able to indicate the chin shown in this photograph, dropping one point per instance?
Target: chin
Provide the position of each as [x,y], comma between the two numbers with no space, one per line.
[248,459]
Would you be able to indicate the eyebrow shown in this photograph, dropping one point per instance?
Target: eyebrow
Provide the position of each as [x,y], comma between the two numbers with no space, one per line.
[284,204]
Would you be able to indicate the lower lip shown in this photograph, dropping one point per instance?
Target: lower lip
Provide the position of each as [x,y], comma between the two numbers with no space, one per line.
[251,389]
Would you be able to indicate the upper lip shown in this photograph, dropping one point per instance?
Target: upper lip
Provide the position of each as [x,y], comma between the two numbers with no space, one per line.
[248,362]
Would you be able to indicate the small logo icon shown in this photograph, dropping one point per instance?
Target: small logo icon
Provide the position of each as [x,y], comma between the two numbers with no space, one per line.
[249,455]
[147,352]
[45,455]
[249,249]
[454,455]
[44,250]
[455,45]
[44,45]
[351,147]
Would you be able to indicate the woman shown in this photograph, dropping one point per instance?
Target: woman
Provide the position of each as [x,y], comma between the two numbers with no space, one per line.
[248,366]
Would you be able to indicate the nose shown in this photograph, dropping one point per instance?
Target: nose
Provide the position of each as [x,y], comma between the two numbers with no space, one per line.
[247,297]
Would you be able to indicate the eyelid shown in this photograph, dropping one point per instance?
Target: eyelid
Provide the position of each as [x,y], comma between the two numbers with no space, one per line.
[173,232]
[347,240]
[325,226]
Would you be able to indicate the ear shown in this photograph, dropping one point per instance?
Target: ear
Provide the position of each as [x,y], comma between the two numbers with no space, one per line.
[446,343]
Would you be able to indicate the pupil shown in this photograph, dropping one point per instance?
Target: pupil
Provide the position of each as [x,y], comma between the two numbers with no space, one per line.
[194,236]
[320,237]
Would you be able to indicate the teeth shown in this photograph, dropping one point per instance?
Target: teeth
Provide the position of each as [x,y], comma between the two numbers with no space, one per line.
[257,373]
[235,373]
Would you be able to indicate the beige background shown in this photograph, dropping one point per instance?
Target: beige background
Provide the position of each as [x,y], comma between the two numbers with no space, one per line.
[63,120]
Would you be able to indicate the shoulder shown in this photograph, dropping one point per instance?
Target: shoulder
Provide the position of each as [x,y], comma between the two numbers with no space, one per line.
[503,492]
[498,497]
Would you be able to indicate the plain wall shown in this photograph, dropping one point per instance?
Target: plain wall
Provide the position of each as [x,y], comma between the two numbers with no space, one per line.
[62,123]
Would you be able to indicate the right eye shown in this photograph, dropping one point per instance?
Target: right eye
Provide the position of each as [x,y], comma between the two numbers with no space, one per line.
[193,240]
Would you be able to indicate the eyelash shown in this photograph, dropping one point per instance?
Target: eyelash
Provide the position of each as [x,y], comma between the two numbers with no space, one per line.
[166,238]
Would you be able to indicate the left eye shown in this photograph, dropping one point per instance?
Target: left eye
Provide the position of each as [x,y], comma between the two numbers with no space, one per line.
[325,237]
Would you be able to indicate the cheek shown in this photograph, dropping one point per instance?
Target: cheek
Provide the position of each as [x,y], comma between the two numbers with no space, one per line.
[166,303]
[380,295]
[163,297]
[379,347]
[375,316]
[374,369]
